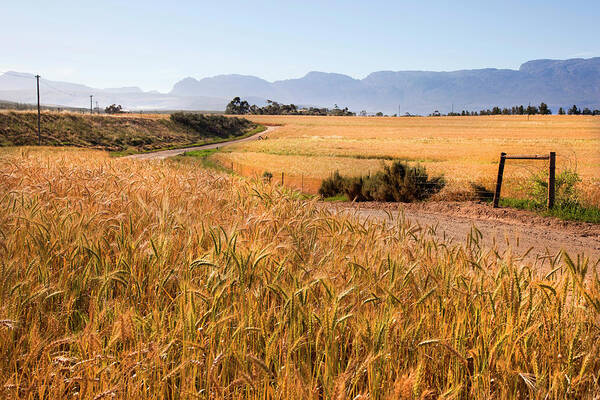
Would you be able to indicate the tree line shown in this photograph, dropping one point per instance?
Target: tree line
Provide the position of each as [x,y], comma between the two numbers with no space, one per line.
[542,109]
[238,106]
[213,125]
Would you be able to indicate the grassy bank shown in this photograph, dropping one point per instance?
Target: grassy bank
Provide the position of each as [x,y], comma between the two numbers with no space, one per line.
[122,133]
[575,212]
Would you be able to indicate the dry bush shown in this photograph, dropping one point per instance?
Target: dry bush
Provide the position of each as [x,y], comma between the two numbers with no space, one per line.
[124,279]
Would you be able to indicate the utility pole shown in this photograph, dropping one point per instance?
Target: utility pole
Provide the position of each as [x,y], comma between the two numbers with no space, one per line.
[91,96]
[37,77]
[398,109]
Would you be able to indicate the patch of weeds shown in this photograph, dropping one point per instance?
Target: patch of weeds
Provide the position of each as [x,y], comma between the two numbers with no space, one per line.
[567,204]
[337,198]
[202,157]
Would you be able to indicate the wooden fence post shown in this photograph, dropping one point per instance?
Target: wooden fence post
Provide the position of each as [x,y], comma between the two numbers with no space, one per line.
[499,181]
[551,180]
[302,184]
[282,179]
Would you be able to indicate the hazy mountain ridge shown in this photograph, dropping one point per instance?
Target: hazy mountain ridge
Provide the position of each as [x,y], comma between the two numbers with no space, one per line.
[556,82]
[21,88]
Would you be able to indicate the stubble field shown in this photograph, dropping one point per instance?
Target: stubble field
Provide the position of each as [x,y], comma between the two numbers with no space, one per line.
[464,149]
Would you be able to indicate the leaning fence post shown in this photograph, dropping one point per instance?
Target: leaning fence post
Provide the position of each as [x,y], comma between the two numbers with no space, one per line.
[282,179]
[551,180]
[499,181]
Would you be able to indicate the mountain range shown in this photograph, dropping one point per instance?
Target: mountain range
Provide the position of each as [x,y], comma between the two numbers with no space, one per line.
[555,82]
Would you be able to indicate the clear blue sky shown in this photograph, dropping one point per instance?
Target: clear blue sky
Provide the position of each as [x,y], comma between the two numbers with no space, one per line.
[152,44]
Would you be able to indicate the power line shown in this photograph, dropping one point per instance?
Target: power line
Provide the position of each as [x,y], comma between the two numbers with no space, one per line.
[37,77]
[60,90]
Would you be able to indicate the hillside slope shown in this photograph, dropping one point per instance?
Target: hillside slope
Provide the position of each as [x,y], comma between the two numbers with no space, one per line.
[113,133]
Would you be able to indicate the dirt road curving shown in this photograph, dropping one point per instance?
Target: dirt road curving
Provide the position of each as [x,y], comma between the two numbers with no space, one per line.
[160,155]
[529,236]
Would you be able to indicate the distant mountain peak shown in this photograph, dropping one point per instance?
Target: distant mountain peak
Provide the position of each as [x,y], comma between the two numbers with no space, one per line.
[558,83]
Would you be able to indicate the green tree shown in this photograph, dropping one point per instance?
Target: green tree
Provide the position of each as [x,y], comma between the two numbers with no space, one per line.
[574,110]
[561,111]
[544,110]
[113,109]
[237,106]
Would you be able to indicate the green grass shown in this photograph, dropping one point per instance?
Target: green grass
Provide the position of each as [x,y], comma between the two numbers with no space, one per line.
[121,135]
[202,157]
[570,212]
[339,197]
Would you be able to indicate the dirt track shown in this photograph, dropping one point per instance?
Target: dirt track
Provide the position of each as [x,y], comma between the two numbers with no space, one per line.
[529,236]
[160,155]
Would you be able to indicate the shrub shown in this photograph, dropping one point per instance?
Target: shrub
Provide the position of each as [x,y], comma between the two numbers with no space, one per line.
[332,186]
[353,188]
[267,176]
[213,125]
[566,194]
[398,182]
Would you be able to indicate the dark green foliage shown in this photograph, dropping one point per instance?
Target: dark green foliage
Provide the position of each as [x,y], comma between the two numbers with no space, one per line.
[353,188]
[267,176]
[113,109]
[127,134]
[566,211]
[237,106]
[574,110]
[567,205]
[565,186]
[213,125]
[332,186]
[398,182]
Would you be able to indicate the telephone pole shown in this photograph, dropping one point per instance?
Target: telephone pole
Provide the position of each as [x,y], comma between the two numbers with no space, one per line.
[37,77]
[91,97]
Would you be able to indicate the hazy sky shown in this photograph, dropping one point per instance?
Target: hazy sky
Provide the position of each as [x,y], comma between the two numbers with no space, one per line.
[153,44]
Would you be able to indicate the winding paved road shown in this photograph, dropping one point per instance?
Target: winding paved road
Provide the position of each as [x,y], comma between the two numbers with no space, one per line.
[161,155]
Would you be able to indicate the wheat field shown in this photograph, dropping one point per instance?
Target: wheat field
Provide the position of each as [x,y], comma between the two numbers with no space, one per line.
[464,149]
[147,280]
